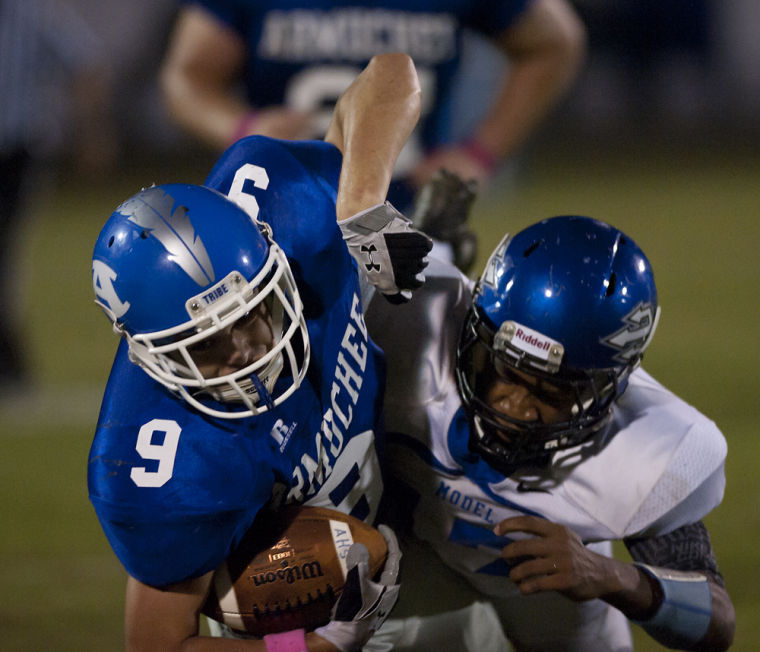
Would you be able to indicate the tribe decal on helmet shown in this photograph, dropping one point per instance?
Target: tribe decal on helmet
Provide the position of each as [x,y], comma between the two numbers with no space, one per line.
[170,225]
[634,337]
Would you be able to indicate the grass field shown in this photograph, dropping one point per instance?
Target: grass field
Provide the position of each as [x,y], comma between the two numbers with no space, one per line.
[696,213]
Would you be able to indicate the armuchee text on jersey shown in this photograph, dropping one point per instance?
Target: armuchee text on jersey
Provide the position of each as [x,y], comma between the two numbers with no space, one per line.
[311,473]
[356,34]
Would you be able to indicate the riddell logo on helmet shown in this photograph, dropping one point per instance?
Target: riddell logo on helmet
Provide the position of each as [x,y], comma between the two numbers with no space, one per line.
[532,340]
[514,336]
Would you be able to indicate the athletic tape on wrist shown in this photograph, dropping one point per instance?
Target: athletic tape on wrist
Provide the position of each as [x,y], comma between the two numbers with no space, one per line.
[481,154]
[684,615]
[370,220]
[292,641]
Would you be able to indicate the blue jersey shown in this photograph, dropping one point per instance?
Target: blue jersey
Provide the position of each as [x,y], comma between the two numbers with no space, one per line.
[174,489]
[304,54]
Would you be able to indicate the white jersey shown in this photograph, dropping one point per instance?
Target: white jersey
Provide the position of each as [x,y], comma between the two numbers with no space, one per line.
[662,468]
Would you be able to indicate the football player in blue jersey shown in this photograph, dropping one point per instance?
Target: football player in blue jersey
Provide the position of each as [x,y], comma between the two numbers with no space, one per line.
[530,438]
[245,378]
[294,59]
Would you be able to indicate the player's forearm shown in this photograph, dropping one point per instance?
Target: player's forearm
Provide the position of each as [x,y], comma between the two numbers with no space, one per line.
[720,633]
[201,67]
[546,50]
[372,121]
[639,596]
[697,609]
[314,643]
[170,637]
[209,113]
[531,91]
[628,589]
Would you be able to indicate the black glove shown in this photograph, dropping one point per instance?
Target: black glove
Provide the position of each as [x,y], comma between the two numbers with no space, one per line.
[388,249]
[442,208]
[364,605]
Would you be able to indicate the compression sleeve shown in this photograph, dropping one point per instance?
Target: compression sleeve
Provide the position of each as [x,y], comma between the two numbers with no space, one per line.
[679,563]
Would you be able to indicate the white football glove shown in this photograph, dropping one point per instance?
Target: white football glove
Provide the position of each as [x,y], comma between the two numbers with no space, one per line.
[388,249]
[363,605]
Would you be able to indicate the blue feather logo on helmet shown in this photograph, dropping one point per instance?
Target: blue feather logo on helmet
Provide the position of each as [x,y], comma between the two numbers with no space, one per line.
[170,225]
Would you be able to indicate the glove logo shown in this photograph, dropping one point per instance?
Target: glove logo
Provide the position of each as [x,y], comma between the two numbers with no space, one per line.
[369,250]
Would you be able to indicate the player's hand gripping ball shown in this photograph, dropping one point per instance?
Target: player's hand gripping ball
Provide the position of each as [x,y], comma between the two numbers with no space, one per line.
[289,570]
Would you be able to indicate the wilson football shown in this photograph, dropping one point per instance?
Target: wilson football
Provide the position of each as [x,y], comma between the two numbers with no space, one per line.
[289,570]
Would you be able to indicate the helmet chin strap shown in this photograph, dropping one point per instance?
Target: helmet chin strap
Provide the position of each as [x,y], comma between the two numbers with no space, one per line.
[250,389]
[261,390]
[486,446]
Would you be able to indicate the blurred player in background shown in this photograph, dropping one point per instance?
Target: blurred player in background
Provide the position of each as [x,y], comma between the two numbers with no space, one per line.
[245,377]
[52,82]
[294,59]
[529,438]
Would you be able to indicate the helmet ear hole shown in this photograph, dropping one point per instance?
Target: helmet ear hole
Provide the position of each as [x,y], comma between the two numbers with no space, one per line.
[611,285]
[531,249]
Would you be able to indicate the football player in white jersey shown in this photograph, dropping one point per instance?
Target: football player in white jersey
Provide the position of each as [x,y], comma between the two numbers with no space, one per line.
[528,438]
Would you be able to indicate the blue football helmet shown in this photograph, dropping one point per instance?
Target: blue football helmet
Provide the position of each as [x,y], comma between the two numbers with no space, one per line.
[565,307]
[176,264]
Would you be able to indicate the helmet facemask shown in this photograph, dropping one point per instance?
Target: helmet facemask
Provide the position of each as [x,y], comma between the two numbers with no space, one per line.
[581,399]
[168,355]
[563,312]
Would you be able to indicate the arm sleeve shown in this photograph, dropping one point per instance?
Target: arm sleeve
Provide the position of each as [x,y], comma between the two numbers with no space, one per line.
[686,549]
